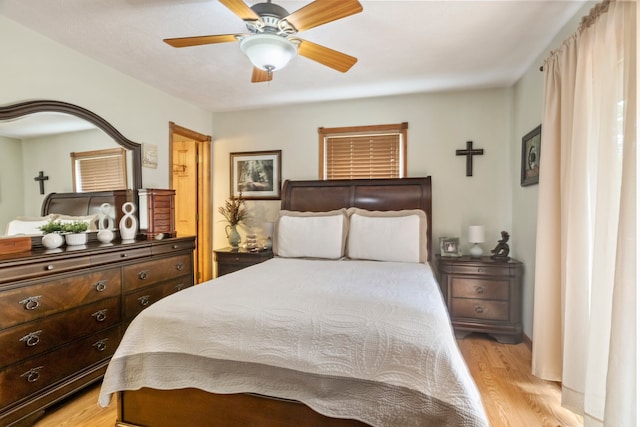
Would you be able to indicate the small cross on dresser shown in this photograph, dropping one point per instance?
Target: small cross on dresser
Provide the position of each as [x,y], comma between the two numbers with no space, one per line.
[470,152]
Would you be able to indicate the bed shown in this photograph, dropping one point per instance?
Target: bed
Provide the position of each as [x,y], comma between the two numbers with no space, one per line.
[345,326]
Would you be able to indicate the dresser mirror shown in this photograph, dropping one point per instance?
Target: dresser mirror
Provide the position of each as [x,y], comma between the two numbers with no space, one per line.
[17,124]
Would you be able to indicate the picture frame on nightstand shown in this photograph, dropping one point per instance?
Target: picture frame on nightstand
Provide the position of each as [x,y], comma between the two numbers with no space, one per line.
[450,246]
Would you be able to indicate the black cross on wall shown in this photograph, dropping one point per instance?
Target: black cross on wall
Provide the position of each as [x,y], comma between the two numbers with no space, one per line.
[470,152]
[41,179]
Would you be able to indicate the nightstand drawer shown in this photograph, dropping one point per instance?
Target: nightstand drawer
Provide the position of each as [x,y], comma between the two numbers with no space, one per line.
[480,309]
[483,270]
[462,287]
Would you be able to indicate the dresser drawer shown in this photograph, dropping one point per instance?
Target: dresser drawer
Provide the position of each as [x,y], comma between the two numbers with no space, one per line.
[173,246]
[32,375]
[30,339]
[39,269]
[462,287]
[480,309]
[120,256]
[137,301]
[49,297]
[150,272]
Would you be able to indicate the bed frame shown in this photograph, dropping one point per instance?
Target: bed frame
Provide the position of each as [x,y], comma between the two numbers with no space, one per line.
[159,408]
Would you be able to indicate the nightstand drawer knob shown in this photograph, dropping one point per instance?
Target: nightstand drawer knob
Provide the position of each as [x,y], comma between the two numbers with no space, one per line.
[179,266]
[143,275]
[480,289]
[479,309]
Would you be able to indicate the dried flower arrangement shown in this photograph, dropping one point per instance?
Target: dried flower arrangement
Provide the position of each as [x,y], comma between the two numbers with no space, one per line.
[234,210]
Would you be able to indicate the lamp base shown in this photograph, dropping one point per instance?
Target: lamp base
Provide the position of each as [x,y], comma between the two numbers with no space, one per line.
[475,251]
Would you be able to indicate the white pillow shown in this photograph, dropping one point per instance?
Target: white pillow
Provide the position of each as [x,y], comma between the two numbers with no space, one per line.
[311,234]
[28,225]
[92,220]
[387,235]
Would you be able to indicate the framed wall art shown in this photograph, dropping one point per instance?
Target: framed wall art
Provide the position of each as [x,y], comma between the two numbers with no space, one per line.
[256,174]
[530,168]
[450,246]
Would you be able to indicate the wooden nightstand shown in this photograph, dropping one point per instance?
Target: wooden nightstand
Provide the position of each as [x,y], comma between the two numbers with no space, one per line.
[230,260]
[483,295]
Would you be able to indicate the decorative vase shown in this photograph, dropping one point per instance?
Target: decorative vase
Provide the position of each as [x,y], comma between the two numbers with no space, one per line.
[52,240]
[105,236]
[128,223]
[105,221]
[232,235]
[75,239]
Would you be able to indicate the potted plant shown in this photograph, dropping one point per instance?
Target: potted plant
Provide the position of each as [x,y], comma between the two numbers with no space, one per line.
[52,234]
[234,212]
[75,232]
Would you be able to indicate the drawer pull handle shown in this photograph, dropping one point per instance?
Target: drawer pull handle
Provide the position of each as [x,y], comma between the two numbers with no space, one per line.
[179,286]
[101,285]
[32,338]
[100,315]
[144,300]
[33,374]
[479,309]
[175,247]
[50,267]
[479,270]
[124,255]
[143,275]
[101,345]
[179,266]
[31,303]
[480,289]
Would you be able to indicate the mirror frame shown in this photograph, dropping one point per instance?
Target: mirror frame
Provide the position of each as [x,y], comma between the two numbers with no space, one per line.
[43,106]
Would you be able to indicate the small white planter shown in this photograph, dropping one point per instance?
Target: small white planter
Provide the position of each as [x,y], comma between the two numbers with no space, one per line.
[75,239]
[52,240]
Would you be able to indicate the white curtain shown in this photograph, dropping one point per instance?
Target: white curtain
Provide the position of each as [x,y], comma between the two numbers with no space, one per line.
[585,309]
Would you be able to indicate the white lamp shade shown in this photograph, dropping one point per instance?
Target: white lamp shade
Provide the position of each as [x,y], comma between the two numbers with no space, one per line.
[476,233]
[268,51]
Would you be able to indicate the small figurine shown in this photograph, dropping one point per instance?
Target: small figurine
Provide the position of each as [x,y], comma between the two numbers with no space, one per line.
[501,251]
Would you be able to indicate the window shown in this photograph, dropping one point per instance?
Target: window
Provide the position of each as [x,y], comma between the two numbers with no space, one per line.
[99,170]
[363,152]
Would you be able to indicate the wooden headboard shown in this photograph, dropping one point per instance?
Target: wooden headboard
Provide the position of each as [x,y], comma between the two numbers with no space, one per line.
[370,194]
[82,204]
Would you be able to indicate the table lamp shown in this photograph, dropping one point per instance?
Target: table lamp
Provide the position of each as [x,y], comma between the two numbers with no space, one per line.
[476,235]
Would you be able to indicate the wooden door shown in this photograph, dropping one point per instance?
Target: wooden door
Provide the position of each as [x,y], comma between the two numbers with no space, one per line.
[191,178]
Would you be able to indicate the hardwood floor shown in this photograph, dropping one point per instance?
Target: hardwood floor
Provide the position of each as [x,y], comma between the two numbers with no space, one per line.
[511,395]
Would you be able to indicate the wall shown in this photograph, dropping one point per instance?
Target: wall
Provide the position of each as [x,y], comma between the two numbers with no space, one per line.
[527,107]
[40,68]
[438,125]
[11,181]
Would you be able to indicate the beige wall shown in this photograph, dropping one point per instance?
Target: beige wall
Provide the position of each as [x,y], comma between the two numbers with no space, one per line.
[438,125]
[35,67]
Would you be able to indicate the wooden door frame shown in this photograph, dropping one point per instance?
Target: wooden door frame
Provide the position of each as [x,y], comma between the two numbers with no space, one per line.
[204,250]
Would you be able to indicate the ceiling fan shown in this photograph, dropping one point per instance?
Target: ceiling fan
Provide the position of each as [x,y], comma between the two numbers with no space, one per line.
[272,42]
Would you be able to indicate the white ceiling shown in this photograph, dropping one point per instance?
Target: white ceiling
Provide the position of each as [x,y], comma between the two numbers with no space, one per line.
[402,46]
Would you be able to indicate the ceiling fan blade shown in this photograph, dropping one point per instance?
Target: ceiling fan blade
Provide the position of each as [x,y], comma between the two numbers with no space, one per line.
[200,40]
[259,75]
[322,11]
[325,56]
[241,9]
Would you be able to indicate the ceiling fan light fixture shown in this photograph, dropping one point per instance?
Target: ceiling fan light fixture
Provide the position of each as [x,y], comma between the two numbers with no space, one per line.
[268,52]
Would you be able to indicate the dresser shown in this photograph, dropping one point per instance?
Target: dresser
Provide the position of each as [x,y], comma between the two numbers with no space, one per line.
[230,260]
[483,295]
[63,312]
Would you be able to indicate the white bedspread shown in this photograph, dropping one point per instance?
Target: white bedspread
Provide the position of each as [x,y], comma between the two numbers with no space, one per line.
[351,339]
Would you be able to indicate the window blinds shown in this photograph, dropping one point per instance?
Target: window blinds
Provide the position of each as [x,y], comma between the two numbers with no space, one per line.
[99,170]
